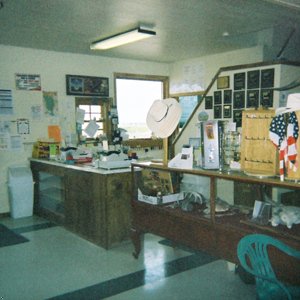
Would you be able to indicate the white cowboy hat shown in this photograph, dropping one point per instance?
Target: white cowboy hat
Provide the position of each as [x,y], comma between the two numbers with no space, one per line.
[292,104]
[163,117]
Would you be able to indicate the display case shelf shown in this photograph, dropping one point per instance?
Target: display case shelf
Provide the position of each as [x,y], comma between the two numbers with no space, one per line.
[216,233]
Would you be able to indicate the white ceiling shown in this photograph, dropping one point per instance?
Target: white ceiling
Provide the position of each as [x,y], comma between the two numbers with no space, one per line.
[185,28]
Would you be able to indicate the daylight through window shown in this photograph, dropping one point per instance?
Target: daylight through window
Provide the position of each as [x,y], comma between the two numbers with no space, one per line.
[134,98]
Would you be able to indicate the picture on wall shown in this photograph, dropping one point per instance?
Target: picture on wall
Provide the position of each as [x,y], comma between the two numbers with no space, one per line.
[227,111]
[267,78]
[217,97]
[208,102]
[87,85]
[237,117]
[253,79]
[227,96]
[239,100]
[223,82]
[266,98]
[28,82]
[252,98]
[239,81]
[217,111]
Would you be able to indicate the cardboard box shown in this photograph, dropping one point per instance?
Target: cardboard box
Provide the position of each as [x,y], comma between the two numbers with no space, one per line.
[163,200]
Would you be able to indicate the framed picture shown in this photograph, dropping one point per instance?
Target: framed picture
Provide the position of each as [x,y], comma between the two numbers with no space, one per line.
[208,102]
[266,98]
[227,96]
[267,78]
[87,85]
[253,79]
[217,111]
[227,111]
[239,100]
[217,97]
[237,117]
[239,81]
[223,82]
[252,98]
[28,82]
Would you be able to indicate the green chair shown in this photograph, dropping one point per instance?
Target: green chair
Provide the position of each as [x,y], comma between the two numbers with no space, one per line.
[252,252]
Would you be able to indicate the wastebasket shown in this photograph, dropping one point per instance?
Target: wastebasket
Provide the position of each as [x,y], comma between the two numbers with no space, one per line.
[20,190]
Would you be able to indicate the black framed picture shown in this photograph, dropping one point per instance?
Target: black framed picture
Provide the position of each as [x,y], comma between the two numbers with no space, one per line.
[227,97]
[237,116]
[217,97]
[252,98]
[208,102]
[239,81]
[267,78]
[239,100]
[227,111]
[87,85]
[253,79]
[217,111]
[266,98]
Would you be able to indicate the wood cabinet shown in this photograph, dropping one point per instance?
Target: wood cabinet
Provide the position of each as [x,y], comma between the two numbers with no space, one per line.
[96,203]
[215,233]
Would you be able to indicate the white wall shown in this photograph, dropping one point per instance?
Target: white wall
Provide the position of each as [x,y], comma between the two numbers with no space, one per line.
[189,75]
[52,67]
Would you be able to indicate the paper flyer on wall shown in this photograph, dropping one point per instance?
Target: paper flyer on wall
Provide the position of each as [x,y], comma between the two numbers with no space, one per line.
[6,104]
[80,115]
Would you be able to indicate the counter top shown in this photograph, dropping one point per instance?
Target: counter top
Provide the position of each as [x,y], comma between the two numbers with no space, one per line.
[82,167]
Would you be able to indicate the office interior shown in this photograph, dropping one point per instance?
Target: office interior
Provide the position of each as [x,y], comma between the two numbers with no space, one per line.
[195,42]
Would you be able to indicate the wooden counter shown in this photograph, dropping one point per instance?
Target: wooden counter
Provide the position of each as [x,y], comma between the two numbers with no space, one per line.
[92,203]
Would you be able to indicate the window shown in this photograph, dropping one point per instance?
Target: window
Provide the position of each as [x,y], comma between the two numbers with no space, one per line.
[95,109]
[134,96]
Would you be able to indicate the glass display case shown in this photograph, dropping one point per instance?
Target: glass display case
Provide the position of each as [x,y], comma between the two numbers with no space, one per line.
[203,209]
[51,193]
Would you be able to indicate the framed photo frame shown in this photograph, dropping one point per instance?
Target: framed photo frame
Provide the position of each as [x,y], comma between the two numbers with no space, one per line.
[239,80]
[28,82]
[266,98]
[217,111]
[208,102]
[227,111]
[223,82]
[237,117]
[217,97]
[267,78]
[87,85]
[239,100]
[253,78]
[227,97]
[252,98]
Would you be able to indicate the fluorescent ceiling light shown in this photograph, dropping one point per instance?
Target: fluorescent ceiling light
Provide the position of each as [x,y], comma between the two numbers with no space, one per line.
[123,38]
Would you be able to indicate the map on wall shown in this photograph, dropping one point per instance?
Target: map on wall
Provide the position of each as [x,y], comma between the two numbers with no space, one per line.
[50,103]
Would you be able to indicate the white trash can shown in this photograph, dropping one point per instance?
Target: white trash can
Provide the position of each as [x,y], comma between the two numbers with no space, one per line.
[20,190]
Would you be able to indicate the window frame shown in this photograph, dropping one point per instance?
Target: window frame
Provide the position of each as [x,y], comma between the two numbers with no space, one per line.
[105,104]
[165,91]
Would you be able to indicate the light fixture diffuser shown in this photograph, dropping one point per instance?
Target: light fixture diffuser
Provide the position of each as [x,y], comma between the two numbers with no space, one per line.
[123,38]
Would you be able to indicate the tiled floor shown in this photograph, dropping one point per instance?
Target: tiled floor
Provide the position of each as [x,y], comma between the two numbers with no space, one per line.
[57,264]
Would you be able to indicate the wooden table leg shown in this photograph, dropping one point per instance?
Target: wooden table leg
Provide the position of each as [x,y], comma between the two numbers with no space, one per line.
[136,240]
